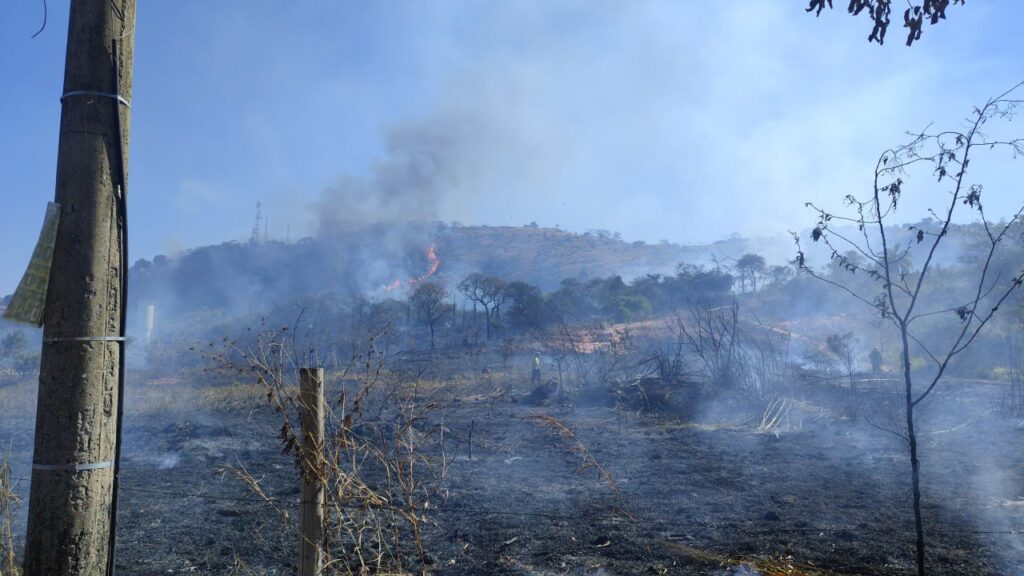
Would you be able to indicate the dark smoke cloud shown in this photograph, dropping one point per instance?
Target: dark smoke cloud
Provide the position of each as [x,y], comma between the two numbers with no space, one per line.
[491,151]
[429,166]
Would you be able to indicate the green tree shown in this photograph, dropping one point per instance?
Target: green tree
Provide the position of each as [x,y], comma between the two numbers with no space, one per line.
[488,292]
[15,353]
[780,274]
[527,309]
[750,267]
[631,308]
[12,345]
[429,302]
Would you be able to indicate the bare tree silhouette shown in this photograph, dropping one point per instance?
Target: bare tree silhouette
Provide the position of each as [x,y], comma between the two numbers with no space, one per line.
[897,291]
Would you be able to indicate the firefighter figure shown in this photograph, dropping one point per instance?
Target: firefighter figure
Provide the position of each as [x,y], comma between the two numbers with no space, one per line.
[535,374]
[876,360]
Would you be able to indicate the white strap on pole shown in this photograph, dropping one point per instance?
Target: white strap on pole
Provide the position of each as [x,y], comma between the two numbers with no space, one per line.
[117,97]
[85,339]
[74,467]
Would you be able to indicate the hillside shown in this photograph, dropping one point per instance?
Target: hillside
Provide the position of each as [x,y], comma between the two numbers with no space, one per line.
[245,277]
[544,256]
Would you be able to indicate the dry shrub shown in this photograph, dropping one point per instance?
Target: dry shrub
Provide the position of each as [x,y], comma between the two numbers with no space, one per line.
[9,502]
[731,353]
[588,357]
[383,459]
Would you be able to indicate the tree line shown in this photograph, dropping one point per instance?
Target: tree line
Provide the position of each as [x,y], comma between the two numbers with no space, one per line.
[492,304]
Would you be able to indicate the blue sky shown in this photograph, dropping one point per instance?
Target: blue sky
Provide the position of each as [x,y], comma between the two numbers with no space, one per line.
[684,121]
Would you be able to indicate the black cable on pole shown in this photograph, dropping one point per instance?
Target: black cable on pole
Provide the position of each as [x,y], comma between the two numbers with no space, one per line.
[121,202]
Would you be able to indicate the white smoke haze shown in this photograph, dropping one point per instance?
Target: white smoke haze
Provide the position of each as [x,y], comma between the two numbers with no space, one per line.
[706,125]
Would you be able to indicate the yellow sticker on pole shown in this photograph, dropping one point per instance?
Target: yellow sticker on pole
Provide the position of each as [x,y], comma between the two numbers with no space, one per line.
[29,299]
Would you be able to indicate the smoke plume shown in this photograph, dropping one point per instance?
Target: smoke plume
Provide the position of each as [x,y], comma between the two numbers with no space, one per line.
[429,166]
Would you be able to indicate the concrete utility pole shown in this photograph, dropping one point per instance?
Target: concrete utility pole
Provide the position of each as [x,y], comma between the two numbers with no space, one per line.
[73,473]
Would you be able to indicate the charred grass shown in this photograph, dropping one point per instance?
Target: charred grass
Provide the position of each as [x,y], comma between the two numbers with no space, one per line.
[566,489]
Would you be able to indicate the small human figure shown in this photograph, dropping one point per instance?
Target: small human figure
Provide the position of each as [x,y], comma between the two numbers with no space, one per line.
[535,374]
[876,360]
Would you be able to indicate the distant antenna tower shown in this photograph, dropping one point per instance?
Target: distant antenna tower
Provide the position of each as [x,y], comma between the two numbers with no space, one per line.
[256,227]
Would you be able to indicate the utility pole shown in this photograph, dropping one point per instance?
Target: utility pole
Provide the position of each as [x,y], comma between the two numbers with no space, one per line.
[72,502]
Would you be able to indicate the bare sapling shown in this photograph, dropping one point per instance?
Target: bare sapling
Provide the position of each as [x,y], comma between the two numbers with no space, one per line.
[930,321]
[734,355]
[713,336]
[382,463]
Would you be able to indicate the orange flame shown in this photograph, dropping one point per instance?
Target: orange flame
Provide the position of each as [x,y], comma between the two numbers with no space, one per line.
[435,263]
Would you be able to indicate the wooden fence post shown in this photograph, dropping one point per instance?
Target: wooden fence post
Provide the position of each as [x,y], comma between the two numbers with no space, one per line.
[313,490]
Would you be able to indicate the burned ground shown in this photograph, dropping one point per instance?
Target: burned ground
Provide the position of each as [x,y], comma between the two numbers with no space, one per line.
[818,494]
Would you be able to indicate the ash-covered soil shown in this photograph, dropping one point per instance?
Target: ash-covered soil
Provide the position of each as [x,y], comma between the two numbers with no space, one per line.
[820,494]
